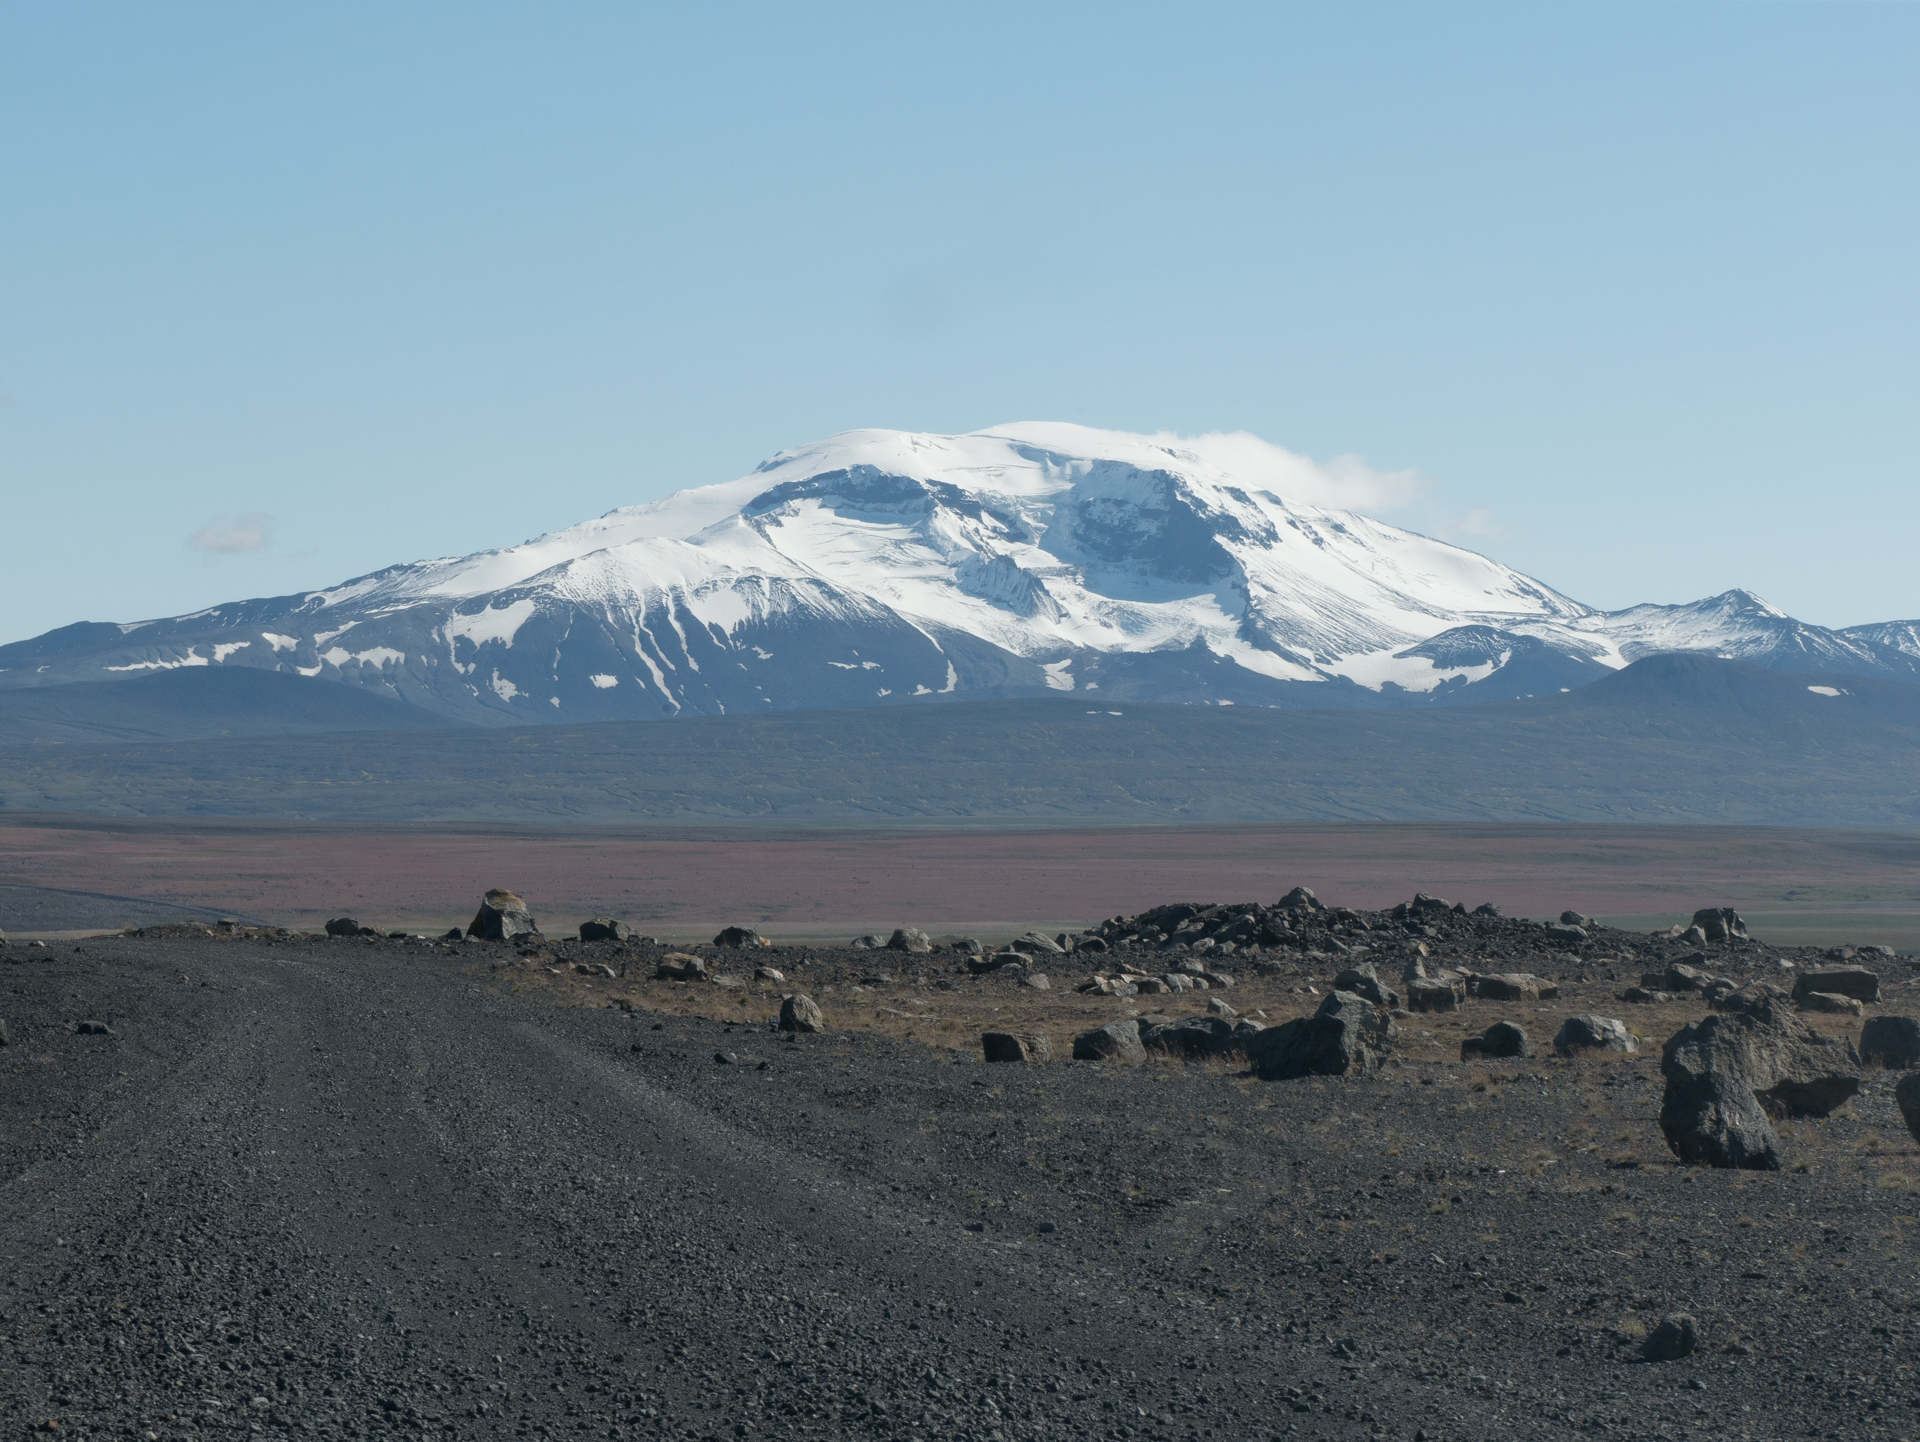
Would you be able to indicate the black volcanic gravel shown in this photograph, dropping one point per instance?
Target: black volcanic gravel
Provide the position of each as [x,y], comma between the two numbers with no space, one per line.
[329,1190]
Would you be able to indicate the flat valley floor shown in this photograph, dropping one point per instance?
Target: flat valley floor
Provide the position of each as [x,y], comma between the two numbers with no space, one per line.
[1795,886]
[379,1189]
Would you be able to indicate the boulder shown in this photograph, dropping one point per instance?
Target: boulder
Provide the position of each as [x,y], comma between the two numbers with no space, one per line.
[1035,945]
[1593,1033]
[1219,1008]
[1566,935]
[1791,1068]
[1512,986]
[1348,1034]
[1906,1096]
[1192,1037]
[1038,980]
[1832,1002]
[594,968]
[1435,993]
[1487,908]
[1715,1119]
[1892,1042]
[867,943]
[1502,1039]
[1574,918]
[343,926]
[1854,981]
[969,946]
[768,973]
[1720,923]
[453,934]
[1745,998]
[601,929]
[680,966]
[1362,980]
[1645,996]
[738,936]
[93,1028]
[1090,943]
[501,917]
[1681,977]
[908,938]
[1674,1338]
[1022,1047]
[800,1013]
[1301,899]
[1117,1041]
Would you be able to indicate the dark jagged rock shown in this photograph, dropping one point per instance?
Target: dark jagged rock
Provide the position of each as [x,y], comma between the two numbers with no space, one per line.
[1677,1336]
[1792,1069]
[601,929]
[1019,1047]
[1720,923]
[1502,1039]
[501,917]
[1348,1034]
[1117,1041]
[909,938]
[1716,1120]
[1892,1042]
[343,926]
[1907,1097]
[1854,981]
[739,936]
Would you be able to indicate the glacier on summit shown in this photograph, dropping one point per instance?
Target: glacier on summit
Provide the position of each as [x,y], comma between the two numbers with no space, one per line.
[876,567]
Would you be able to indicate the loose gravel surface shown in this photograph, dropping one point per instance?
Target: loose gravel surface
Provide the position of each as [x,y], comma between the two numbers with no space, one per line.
[303,1188]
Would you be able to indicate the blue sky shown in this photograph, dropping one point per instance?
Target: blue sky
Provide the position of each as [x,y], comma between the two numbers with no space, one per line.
[290,293]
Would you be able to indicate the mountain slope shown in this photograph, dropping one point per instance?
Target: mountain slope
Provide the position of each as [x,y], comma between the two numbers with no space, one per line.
[878,567]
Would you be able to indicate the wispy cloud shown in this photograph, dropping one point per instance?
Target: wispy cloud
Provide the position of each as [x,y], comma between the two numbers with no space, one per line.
[235,535]
[1344,482]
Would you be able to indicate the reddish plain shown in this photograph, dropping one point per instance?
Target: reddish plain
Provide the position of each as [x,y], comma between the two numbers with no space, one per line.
[1798,886]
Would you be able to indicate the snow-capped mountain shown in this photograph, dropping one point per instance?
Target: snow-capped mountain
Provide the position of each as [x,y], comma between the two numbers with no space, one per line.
[882,566]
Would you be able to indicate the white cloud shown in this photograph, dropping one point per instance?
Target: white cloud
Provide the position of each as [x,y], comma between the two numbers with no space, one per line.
[1345,482]
[233,536]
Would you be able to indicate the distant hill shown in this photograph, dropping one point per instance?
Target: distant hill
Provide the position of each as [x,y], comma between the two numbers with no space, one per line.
[201,702]
[1672,738]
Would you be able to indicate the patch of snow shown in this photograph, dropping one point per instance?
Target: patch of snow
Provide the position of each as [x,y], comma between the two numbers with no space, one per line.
[491,623]
[1827,691]
[1057,677]
[192,658]
[503,688]
[320,638]
[309,671]
[280,643]
[603,682]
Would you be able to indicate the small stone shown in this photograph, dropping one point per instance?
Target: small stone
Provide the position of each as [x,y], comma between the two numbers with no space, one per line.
[1675,1337]
[1036,980]
[767,973]
[680,966]
[93,1028]
[1220,1008]
[801,1013]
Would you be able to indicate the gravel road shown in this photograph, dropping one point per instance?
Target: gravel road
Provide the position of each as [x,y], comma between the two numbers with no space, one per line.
[305,1190]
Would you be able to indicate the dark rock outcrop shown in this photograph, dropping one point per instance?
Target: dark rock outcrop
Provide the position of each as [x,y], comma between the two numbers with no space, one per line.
[1715,1119]
[1677,1336]
[738,936]
[1021,1047]
[601,929]
[1348,1034]
[1854,981]
[343,926]
[1892,1042]
[1792,1069]
[1502,1039]
[1117,1041]
[501,917]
